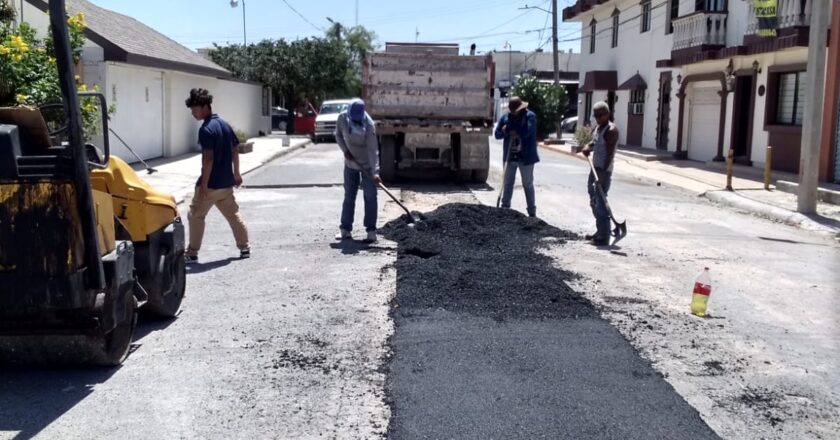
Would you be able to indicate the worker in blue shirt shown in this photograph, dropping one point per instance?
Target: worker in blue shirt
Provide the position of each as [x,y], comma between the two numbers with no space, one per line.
[518,128]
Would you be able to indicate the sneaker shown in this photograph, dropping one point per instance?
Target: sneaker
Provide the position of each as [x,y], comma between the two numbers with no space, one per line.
[590,237]
[245,253]
[191,259]
[371,237]
[343,234]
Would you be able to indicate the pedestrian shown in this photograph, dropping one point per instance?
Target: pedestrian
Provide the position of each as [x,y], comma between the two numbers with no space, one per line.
[602,148]
[219,174]
[518,128]
[355,134]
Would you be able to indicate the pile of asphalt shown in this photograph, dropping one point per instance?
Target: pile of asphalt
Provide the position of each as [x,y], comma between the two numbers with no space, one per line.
[483,261]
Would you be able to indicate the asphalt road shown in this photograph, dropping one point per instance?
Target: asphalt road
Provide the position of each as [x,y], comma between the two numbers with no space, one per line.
[311,338]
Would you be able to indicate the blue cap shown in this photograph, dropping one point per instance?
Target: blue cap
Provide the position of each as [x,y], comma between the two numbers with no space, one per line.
[357,110]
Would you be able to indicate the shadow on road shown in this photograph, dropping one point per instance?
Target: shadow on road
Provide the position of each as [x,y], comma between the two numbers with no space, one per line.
[353,247]
[206,267]
[35,398]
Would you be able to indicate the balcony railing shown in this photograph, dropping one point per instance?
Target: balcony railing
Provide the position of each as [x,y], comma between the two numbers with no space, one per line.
[700,29]
[790,13]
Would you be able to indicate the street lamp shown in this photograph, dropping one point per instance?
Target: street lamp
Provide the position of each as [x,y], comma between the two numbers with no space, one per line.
[234,4]
[510,63]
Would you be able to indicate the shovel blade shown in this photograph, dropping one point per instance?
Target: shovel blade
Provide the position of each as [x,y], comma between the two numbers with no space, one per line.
[620,229]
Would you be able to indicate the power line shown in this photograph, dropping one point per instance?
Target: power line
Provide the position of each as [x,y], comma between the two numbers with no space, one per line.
[302,17]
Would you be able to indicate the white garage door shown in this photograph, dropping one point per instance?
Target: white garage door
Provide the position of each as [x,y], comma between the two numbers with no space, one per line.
[138,120]
[704,114]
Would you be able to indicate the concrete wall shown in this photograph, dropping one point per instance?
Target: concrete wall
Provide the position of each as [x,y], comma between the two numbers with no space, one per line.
[237,103]
[511,64]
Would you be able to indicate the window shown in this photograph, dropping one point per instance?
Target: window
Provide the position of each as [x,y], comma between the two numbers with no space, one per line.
[646,16]
[673,13]
[587,108]
[592,37]
[710,5]
[266,101]
[615,28]
[790,105]
[637,102]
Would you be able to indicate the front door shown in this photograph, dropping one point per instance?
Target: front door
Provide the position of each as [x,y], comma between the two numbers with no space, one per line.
[635,117]
[611,103]
[663,116]
[742,119]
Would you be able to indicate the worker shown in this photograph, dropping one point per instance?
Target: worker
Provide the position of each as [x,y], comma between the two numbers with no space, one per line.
[518,128]
[355,134]
[602,147]
[219,174]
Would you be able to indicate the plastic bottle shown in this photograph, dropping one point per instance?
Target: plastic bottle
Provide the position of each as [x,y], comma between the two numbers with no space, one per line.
[702,291]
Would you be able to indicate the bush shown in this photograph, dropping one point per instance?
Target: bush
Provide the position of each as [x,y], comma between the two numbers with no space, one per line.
[583,136]
[547,101]
[240,135]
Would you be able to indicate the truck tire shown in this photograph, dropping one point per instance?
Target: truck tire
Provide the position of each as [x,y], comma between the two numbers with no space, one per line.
[111,349]
[480,176]
[387,158]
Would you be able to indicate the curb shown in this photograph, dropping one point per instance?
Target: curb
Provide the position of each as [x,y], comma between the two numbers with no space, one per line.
[771,212]
[179,199]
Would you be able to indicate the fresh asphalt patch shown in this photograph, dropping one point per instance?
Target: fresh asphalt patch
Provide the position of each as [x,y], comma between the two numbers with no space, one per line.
[490,342]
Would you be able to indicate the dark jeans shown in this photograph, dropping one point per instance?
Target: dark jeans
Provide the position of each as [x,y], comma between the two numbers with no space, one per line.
[352,178]
[599,207]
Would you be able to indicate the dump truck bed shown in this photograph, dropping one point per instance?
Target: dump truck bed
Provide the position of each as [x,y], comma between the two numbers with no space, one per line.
[412,83]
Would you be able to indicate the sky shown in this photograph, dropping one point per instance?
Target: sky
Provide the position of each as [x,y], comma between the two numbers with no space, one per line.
[490,24]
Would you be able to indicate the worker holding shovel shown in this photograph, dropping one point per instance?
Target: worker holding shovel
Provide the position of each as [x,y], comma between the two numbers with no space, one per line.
[518,128]
[355,134]
[602,147]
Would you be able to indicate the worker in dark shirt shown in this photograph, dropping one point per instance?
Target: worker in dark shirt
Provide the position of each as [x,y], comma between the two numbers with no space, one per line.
[219,174]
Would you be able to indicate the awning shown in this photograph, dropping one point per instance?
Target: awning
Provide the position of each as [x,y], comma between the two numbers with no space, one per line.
[600,80]
[636,82]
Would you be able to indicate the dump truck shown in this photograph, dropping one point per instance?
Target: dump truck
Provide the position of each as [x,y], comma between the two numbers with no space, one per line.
[85,244]
[433,110]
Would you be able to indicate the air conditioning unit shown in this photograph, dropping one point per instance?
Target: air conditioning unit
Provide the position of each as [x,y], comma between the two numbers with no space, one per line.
[636,108]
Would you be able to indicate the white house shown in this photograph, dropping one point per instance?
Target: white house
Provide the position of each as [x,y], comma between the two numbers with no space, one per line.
[695,78]
[147,77]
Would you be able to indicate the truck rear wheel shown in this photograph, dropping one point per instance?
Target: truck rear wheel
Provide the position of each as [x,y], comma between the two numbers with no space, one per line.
[387,158]
[480,176]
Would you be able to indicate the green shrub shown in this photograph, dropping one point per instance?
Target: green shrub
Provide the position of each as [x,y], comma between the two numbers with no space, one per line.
[547,101]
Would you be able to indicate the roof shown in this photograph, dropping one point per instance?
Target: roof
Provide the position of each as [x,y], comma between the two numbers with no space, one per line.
[599,80]
[127,40]
[636,82]
[580,6]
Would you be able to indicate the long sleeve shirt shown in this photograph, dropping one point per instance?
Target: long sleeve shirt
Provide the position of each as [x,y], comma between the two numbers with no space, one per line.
[359,139]
[526,128]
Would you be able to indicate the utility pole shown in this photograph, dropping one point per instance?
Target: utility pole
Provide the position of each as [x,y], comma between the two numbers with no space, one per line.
[556,58]
[812,121]
[357,12]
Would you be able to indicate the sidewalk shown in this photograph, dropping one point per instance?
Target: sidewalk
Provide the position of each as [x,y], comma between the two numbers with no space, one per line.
[709,180]
[178,175]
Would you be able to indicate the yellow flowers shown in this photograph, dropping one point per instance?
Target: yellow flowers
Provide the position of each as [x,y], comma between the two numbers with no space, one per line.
[83,87]
[21,98]
[16,47]
[77,20]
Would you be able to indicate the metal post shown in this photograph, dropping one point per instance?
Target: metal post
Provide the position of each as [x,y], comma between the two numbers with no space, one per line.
[244,28]
[768,166]
[730,168]
[812,124]
[556,59]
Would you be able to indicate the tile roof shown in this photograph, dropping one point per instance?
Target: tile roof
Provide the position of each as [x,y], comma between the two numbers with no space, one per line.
[127,40]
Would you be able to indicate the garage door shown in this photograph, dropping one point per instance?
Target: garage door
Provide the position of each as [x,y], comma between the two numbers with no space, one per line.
[138,120]
[704,114]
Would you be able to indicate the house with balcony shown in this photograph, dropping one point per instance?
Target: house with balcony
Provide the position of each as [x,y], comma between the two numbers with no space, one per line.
[699,77]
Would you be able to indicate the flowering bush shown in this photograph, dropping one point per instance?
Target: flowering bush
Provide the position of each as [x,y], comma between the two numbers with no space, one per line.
[28,71]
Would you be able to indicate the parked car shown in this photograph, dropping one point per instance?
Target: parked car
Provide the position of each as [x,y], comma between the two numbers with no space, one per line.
[569,125]
[327,117]
[279,118]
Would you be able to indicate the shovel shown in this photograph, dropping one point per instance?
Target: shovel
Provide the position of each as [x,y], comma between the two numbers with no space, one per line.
[620,228]
[149,169]
[411,218]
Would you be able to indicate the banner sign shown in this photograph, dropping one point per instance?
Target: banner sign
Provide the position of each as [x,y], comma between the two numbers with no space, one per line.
[766,12]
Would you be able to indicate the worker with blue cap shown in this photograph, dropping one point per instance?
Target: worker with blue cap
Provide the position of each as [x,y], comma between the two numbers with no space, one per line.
[355,134]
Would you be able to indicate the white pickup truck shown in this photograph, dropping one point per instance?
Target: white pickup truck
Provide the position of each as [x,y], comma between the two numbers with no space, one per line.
[326,119]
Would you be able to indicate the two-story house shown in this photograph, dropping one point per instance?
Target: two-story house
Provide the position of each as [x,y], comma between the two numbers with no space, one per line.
[696,78]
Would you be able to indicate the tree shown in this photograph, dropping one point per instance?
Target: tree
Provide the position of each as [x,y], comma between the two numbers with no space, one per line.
[546,100]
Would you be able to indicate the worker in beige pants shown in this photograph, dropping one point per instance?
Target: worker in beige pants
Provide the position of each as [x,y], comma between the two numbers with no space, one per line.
[219,175]
[224,200]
